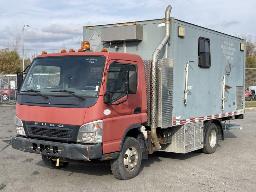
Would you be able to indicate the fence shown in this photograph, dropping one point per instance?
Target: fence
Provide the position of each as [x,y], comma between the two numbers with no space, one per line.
[250,77]
[8,84]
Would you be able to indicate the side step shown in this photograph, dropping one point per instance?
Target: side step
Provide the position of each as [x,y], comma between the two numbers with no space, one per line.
[232,126]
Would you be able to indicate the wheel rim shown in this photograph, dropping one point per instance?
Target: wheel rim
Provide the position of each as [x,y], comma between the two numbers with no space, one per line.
[5,97]
[131,157]
[213,138]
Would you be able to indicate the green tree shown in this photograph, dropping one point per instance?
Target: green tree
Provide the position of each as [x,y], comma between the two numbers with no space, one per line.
[10,62]
[250,48]
[251,62]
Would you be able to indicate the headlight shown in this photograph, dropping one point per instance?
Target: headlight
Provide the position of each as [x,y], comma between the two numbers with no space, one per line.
[19,127]
[90,132]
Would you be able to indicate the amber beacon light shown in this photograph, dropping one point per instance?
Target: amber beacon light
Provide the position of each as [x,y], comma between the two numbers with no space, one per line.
[85,46]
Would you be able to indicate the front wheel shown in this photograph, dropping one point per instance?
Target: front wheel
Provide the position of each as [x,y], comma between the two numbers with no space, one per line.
[128,164]
[211,138]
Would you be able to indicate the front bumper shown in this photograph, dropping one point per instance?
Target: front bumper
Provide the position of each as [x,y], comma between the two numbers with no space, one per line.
[57,149]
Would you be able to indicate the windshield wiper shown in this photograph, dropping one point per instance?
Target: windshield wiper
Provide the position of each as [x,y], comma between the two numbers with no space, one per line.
[69,92]
[36,92]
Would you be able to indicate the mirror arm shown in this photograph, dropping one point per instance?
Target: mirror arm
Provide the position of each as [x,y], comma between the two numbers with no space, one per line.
[26,69]
[20,80]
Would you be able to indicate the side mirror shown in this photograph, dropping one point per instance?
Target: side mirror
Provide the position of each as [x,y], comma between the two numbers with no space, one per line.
[107,98]
[19,81]
[20,77]
[132,85]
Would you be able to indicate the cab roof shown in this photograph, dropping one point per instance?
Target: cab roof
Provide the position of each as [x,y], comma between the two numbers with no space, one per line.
[108,55]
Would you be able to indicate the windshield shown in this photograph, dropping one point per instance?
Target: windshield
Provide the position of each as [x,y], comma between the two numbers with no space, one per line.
[79,75]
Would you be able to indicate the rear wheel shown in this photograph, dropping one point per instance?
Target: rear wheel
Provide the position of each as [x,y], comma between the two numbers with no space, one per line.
[128,164]
[51,161]
[210,138]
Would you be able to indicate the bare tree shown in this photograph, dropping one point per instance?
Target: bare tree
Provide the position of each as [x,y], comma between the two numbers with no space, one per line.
[250,49]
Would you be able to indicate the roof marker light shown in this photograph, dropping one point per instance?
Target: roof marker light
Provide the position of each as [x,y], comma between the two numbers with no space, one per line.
[85,46]
[63,51]
[104,50]
[44,53]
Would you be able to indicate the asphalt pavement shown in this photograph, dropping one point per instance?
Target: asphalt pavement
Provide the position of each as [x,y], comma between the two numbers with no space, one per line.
[231,168]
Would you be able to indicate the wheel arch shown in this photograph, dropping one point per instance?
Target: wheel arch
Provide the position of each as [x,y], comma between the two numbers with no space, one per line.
[132,131]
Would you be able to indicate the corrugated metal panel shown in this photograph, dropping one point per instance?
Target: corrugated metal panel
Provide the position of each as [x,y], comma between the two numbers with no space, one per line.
[166,97]
[165,91]
[186,138]
[147,68]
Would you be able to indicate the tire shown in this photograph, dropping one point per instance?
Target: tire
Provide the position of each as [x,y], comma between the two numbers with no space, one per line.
[210,138]
[128,164]
[48,160]
[5,97]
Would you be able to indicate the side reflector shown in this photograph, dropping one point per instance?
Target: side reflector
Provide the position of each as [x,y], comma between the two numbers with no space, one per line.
[181,31]
[242,46]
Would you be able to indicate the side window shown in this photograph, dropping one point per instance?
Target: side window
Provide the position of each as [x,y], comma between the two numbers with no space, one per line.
[204,54]
[122,80]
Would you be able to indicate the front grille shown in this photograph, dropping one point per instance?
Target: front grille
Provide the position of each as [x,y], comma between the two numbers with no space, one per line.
[46,132]
[51,131]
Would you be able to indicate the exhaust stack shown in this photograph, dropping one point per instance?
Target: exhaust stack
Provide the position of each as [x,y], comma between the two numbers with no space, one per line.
[153,105]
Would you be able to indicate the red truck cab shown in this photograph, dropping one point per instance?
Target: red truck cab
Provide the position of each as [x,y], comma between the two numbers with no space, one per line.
[80,105]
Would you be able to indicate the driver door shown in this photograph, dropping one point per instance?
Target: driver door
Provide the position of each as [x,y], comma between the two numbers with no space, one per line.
[123,104]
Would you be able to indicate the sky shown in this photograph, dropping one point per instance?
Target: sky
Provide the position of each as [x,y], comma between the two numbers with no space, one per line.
[58,24]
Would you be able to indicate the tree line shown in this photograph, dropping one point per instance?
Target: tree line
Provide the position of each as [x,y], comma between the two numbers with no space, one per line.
[11,62]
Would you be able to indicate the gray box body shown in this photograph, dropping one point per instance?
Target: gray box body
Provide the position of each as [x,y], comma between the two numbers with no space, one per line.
[205,86]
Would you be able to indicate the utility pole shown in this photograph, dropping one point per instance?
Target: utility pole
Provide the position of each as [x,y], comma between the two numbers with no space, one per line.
[23,46]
